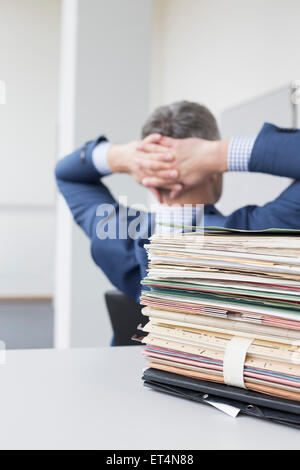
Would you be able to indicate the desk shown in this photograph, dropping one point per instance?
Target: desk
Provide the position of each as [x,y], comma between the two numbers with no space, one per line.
[93,398]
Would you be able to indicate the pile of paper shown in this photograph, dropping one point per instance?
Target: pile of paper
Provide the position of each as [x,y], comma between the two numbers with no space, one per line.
[224,320]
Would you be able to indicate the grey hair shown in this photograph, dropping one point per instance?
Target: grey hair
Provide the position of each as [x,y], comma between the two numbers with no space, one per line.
[181,120]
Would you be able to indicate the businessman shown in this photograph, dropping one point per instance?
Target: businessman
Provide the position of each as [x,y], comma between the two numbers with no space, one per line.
[274,151]
[174,137]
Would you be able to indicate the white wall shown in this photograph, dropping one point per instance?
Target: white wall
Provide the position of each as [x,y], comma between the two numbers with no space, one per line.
[26,251]
[221,53]
[106,65]
[29,53]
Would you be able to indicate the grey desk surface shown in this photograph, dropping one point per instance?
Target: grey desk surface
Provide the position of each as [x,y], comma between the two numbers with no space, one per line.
[94,399]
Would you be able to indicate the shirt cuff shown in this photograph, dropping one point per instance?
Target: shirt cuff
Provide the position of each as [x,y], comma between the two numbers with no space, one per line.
[239,153]
[99,157]
[178,219]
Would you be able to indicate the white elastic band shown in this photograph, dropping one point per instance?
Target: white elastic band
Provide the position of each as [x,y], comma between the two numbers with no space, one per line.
[234,360]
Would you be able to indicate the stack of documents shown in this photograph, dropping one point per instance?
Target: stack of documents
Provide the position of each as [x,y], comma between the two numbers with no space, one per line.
[224,320]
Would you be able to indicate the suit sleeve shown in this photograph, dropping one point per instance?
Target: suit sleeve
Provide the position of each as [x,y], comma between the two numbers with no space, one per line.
[283,212]
[277,152]
[95,209]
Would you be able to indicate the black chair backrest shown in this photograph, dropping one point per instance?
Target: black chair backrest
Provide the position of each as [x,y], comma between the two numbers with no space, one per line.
[125,315]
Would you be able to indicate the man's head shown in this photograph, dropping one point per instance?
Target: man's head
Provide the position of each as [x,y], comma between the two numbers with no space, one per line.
[182,120]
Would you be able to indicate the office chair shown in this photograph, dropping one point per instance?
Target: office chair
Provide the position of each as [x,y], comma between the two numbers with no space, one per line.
[125,315]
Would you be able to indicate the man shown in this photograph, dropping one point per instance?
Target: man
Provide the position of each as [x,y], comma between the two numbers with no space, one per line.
[79,178]
[274,151]
[182,152]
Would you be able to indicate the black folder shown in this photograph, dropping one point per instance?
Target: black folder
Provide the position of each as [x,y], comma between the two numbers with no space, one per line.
[251,403]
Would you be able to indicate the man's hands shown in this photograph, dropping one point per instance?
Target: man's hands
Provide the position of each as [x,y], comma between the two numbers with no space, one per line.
[127,158]
[195,160]
[173,164]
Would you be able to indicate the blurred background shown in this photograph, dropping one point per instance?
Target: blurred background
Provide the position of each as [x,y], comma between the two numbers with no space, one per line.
[75,69]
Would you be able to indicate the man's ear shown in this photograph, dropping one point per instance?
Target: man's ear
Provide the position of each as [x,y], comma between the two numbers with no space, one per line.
[213,178]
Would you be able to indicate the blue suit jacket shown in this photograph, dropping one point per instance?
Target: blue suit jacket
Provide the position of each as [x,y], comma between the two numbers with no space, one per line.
[276,151]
